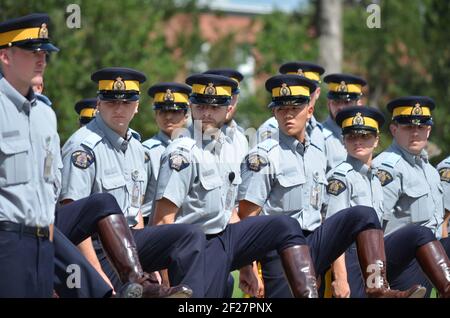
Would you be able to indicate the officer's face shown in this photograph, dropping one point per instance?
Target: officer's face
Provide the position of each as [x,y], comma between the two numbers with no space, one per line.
[212,117]
[413,138]
[117,114]
[292,119]
[361,146]
[170,120]
[335,106]
[21,66]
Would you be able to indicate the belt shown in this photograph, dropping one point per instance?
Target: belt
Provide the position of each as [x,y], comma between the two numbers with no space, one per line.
[20,228]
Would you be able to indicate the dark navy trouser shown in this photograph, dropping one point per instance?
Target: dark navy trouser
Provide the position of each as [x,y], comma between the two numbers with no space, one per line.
[244,242]
[74,223]
[326,243]
[26,266]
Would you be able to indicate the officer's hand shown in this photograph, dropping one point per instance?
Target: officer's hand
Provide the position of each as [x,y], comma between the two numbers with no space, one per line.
[340,289]
[248,281]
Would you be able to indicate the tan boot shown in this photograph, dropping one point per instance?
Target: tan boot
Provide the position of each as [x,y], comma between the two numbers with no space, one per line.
[120,248]
[436,265]
[299,270]
[372,259]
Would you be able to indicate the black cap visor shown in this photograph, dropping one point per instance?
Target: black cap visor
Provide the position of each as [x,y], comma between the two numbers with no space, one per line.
[129,96]
[212,100]
[343,96]
[289,101]
[414,120]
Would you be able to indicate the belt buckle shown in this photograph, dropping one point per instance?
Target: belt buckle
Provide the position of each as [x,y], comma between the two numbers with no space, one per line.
[40,232]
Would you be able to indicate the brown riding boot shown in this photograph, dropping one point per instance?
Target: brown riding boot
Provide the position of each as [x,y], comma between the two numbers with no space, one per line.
[435,264]
[299,270]
[372,259]
[119,245]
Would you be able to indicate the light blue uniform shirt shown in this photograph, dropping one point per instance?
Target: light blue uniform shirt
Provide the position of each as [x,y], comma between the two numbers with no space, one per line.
[334,143]
[444,171]
[286,177]
[154,148]
[201,181]
[353,183]
[98,160]
[412,190]
[30,159]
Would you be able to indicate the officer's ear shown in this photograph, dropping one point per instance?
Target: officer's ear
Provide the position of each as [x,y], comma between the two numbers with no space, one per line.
[359,102]
[377,140]
[429,131]
[4,58]
[317,93]
[137,107]
[393,128]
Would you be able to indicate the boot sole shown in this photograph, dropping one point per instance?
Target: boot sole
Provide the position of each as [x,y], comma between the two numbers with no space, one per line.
[419,293]
[131,290]
[185,293]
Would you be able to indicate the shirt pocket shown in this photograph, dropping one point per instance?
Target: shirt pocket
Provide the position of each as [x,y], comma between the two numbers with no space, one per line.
[419,203]
[290,194]
[116,186]
[14,162]
[211,193]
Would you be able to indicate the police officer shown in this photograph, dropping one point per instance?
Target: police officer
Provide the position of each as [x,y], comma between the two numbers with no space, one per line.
[287,177]
[170,103]
[314,129]
[358,184]
[103,156]
[344,90]
[444,171]
[236,134]
[412,192]
[86,109]
[231,128]
[29,162]
[197,185]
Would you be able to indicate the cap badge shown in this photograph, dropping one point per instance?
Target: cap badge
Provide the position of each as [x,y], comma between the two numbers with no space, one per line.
[285,91]
[300,72]
[210,89]
[43,31]
[168,97]
[342,87]
[417,110]
[119,84]
[358,120]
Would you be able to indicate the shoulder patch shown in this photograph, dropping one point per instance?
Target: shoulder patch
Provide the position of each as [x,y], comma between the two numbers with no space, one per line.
[335,187]
[82,159]
[445,174]
[384,176]
[178,161]
[255,162]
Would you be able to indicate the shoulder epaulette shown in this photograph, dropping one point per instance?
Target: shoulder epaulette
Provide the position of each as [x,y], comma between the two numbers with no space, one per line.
[91,140]
[151,143]
[268,144]
[343,168]
[391,159]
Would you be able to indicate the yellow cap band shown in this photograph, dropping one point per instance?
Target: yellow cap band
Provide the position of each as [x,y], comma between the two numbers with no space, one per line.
[108,85]
[349,88]
[208,90]
[88,112]
[309,75]
[367,121]
[19,35]
[408,111]
[293,90]
[177,98]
